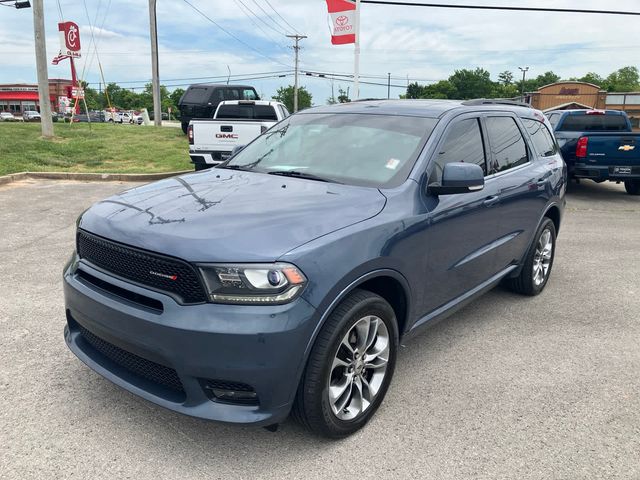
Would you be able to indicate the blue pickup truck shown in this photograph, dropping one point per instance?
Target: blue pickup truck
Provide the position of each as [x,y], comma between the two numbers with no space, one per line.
[599,145]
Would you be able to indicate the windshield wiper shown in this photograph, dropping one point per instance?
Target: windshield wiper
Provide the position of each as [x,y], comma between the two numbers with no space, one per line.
[233,167]
[298,174]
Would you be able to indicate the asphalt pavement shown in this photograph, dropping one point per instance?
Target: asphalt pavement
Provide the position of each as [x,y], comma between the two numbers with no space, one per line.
[509,387]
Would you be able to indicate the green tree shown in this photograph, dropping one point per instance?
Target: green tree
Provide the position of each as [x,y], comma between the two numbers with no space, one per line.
[343,95]
[505,78]
[626,79]
[594,78]
[472,83]
[285,95]
[415,90]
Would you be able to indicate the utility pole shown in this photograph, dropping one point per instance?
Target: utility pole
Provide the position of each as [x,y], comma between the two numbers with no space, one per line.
[296,49]
[41,67]
[524,75]
[388,86]
[155,72]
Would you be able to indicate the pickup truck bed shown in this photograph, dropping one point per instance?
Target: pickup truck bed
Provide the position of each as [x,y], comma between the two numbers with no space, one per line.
[600,146]
[235,124]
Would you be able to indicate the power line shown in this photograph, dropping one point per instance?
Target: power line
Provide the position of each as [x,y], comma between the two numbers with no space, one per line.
[259,18]
[222,77]
[270,17]
[232,35]
[243,7]
[232,81]
[245,78]
[283,19]
[492,7]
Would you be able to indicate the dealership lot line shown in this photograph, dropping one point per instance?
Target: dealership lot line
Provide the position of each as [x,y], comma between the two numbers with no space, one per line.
[510,387]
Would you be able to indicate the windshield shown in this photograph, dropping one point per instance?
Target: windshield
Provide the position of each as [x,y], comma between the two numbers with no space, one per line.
[357,149]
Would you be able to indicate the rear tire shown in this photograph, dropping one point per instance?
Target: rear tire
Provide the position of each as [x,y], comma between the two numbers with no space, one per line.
[185,126]
[538,263]
[350,367]
[632,187]
[202,166]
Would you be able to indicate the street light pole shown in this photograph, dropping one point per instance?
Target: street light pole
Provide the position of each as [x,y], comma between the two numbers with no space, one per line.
[41,67]
[524,75]
[388,86]
[155,71]
[296,49]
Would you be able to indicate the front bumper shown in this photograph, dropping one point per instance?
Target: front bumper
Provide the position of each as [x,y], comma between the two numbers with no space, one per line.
[601,173]
[263,347]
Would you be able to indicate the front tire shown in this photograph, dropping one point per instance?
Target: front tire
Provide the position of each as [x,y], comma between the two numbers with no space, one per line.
[350,367]
[632,187]
[538,263]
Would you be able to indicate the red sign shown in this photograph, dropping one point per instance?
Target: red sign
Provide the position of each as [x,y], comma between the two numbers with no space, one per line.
[69,39]
[343,19]
[77,92]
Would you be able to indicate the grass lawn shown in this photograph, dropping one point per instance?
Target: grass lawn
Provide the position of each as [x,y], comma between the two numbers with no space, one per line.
[106,148]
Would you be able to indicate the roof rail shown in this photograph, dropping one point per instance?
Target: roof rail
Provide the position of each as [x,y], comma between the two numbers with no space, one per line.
[495,101]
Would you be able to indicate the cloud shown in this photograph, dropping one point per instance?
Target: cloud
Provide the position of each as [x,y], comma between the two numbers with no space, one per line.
[413,42]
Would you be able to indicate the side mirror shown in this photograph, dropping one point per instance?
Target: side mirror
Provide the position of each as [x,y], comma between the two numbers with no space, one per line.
[459,177]
[236,150]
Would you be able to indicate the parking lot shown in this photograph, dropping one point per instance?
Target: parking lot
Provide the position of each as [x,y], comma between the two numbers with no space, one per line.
[509,387]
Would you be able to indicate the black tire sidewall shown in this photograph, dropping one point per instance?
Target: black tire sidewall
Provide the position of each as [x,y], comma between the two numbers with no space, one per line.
[632,187]
[370,305]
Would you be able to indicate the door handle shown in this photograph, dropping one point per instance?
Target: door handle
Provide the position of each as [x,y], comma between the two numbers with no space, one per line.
[491,201]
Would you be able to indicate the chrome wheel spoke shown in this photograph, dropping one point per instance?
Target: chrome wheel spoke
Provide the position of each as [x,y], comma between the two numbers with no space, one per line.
[375,363]
[340,395]
[362,334]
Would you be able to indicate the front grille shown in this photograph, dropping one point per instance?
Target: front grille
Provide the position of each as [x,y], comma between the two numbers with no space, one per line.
[158,272]
[139,366]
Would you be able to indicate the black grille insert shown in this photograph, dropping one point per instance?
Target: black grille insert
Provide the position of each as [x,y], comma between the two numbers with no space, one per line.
[140,300]
[139,366]
[158,272]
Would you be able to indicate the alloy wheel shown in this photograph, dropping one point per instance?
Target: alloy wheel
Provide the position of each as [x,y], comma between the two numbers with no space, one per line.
[359,368]
[542,258]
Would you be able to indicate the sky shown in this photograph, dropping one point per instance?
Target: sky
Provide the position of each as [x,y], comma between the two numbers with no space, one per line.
[412,43]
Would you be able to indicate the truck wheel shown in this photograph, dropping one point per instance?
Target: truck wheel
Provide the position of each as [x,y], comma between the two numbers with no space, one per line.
[185,127]
[350,367]
[632,187]
[538,263]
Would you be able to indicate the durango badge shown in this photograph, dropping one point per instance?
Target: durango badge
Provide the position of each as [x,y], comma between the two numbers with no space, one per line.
[163,275]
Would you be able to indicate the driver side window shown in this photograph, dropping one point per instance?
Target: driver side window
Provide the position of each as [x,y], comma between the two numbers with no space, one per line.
[463,143]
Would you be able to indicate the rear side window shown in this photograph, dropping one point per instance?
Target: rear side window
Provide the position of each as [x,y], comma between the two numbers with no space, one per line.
[594,123]
[508,148]
[196,95]
[553,119]
[249,94]
[463,143]
[541,137]
[247,112]
[231,94]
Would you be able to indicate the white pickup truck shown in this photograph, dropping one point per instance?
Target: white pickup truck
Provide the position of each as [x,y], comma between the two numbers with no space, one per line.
[235,123]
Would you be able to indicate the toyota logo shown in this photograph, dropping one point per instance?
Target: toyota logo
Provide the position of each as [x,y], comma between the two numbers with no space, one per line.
[342,20]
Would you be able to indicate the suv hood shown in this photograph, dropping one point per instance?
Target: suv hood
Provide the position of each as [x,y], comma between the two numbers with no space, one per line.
[229,216]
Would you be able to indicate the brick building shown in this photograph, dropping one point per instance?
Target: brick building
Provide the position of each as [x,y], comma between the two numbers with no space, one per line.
[570,95]
[19,97]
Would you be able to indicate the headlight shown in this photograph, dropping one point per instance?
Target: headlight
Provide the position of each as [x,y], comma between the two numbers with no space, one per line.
[253,284]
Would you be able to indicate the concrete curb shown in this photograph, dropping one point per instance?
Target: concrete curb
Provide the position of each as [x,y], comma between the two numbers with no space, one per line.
[90,177]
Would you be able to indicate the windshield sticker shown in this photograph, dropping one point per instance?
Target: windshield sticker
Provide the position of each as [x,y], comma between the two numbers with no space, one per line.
[393,163]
